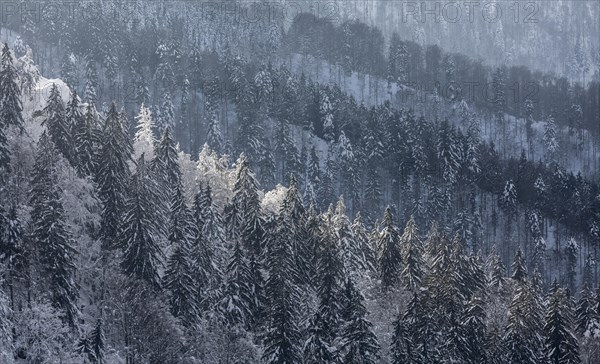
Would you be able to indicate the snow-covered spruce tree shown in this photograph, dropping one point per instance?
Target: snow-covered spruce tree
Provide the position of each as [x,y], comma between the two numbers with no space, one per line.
[412,256]
[350,178]
[251,236]
[207,246]
[214,137]
[167,113]
[56,122]
[473,334]
[282,338]
[267,166]
[91,80]
[448,153]
[561,343]
[5,167]
[319,346]
[549,139]
[571,254]
[98,341]
[144,140]
[166,170]
[519,270]
[93,344]
[112,176]
[496,271]
[409,337]
[68,70]
[74,117]
[358,343]
[85,141]
[326,115]
[11,108]
[245,205]
[585,313]
[524,336]
[313,169]
[237,301]
[52,241]
[179,279]
[368,256]
[250,136]
[390,260]
[139,235]
[295,213]
[285,148]
[350,251]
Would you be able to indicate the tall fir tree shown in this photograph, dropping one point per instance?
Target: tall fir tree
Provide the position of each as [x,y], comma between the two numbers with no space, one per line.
[390,260]
[237,302]
[91,80]
[56,122]
[282,338]
[53,243]
[112,175]
[412,252]
[519,270]
[368,256]
[358,342]
[85,141]
[561,343]
[496,271]
[329,276]
[524,337]
[179,279]
[140,234]
[11,107]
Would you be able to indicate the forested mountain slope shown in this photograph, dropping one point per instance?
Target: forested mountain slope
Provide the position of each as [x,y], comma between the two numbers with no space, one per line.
[187,191]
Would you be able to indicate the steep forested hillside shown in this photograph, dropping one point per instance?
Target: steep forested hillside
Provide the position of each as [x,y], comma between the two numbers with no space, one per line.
[180,184]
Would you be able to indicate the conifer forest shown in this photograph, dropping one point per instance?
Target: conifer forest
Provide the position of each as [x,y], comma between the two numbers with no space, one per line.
[299,182]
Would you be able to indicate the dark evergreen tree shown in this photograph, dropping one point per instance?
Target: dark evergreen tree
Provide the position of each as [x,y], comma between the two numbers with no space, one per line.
[166,164]
[112,175]
[208,247]
[412,248]
[68,70]
[561,344]
[57,124]
[5,167]
[52,240]
[179,274]
[585,314]
[406,341]
[295,213]
[139,236]
[473,333]
[85,140]
[329,276]
[237,302]
[91,80]
[97,342]
[390,260]
[11,108]
[571,254]
[282,337]
[524,336]
[519,270]
[244,210]
[368,257]
[358,343]
[496,270]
